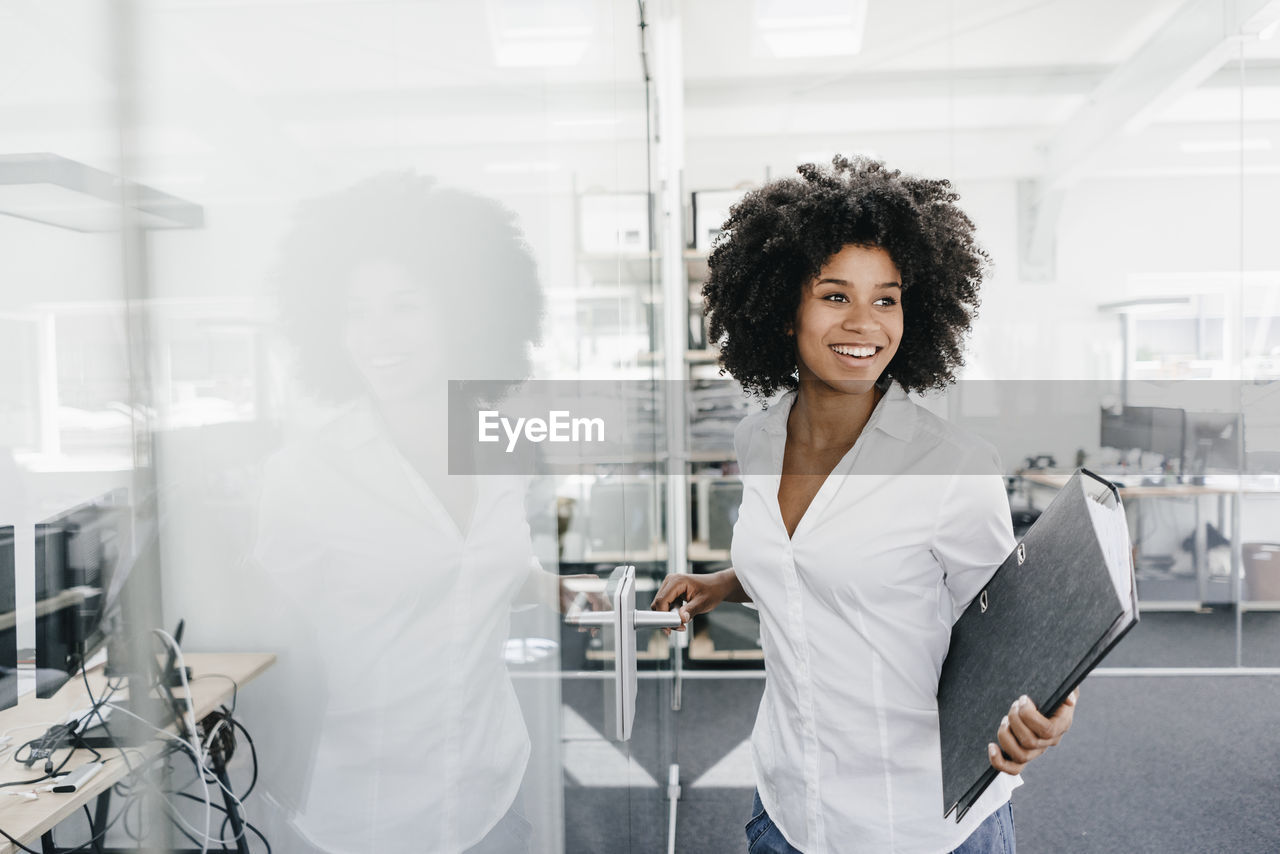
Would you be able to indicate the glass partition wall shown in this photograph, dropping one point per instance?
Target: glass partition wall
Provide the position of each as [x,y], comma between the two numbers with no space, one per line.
[267,266]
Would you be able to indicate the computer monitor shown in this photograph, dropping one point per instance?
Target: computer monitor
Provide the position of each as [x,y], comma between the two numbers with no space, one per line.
[79,554]
[1157,429]
[1214,441]
[8,622]
[724,498]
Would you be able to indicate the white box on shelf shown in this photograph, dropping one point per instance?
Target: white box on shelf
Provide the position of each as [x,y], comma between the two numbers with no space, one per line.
[710,210]
[614,222]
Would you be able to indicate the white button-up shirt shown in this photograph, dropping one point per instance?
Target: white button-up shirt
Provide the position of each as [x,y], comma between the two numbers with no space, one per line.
[855,619]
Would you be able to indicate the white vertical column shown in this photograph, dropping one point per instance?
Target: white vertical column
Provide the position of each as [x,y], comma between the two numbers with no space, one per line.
[47,384]
[665,46]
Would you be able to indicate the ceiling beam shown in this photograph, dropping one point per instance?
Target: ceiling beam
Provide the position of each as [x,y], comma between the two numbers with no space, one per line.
[1197,40]
[1201,37]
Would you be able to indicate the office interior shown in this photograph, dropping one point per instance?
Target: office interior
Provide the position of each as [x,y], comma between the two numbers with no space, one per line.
[239,239]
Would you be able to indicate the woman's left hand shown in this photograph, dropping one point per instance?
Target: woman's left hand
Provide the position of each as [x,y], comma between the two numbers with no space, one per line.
[1025,733]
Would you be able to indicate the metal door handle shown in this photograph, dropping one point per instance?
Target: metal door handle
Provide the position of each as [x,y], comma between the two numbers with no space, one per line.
[625,620]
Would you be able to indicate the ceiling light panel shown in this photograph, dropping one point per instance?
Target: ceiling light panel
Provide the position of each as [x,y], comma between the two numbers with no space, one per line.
[811,28]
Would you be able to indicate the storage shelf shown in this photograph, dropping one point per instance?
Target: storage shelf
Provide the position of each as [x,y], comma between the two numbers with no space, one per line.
[702,649]
[695,264]
[659,649]
[713,456]
[702,553]
[653,554]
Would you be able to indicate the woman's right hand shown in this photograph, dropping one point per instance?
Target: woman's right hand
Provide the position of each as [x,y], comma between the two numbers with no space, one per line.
[697,594]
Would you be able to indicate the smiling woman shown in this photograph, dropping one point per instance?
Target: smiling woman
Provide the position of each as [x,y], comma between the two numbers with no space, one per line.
[867,523]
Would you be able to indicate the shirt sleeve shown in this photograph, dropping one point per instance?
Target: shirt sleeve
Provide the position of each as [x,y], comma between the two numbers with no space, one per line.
[974,532]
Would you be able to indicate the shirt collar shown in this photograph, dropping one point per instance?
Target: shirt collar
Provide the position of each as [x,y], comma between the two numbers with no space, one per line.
[895,414]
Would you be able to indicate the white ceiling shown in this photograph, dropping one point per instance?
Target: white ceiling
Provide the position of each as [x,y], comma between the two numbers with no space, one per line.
[235,95]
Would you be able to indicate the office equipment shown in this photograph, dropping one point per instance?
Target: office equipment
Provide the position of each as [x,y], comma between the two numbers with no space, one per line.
[1158,429]
[8,622]
[78,555]
[72,782]
[1214,443]
[1054,608]
[42,748]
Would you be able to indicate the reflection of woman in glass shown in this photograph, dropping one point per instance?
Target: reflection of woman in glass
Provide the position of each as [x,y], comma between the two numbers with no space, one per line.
[401,575]
[850,287]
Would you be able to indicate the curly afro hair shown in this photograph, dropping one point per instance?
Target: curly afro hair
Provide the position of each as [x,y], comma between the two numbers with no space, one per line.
[778,237]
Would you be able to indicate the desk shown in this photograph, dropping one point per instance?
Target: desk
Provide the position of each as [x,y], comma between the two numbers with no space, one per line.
[28,820]
[1224,487]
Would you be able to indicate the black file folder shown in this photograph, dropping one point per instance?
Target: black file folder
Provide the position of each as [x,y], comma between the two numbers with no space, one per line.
[1056,606]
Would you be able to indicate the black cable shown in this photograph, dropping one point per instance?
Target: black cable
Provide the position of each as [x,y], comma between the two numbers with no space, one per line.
[222,830]
[225,820]
[78,743]
[253,781]
[200,770]
[177,824]
[97,705]
[47,776]
[253,753]
[96,847]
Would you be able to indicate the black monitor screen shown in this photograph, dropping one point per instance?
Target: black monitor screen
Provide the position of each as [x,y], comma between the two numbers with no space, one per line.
[1168,428]
[8,622]
[1158,429]
[77,554]
[1213,442]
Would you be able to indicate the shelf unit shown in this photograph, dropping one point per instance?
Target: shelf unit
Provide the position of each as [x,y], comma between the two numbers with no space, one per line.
[631,277]
[706,466]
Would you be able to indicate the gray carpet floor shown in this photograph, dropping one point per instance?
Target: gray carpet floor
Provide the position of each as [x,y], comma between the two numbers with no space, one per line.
[1163,764]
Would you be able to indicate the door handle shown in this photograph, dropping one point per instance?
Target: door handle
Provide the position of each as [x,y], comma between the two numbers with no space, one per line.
[625,620]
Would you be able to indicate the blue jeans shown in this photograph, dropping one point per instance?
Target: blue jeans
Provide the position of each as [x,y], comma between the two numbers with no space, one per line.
[993,836]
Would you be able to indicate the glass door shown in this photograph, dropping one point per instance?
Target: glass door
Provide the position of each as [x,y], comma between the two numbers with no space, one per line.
[280,261]
[413,215]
